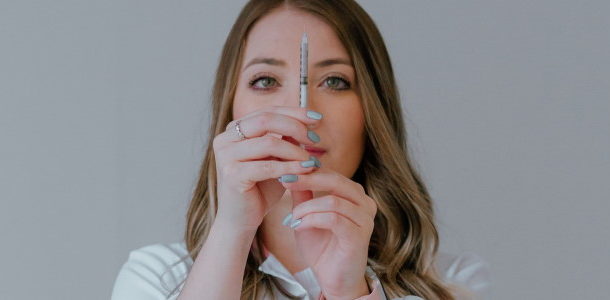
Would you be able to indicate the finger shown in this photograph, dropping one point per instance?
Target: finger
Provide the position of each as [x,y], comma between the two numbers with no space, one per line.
[283,120]
[302,114]
[336,223]
[263,148]
[334,183]
[331,203]
[268,122]
[255,171]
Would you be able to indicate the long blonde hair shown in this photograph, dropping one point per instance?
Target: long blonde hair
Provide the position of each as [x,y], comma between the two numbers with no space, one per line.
[405,239]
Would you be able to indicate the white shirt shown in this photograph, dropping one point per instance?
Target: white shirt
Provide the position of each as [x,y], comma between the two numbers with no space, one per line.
[148,275]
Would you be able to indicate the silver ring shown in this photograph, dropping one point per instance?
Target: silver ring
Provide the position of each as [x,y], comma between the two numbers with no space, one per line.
[239,133]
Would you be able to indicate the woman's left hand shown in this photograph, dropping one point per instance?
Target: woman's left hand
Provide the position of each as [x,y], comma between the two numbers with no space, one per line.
[334,231]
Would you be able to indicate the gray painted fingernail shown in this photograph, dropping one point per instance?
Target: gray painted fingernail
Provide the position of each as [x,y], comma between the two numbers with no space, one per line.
[296,223]
[314,115]
[288,178]
[318,162]
[313,136]
[308,163]
[287,219]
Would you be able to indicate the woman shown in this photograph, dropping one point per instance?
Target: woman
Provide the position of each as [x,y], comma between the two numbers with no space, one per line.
[346,216]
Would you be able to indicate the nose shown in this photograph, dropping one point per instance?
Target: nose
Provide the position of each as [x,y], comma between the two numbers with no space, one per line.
[292,100]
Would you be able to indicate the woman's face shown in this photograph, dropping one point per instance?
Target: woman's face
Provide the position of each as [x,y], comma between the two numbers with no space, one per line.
[332,89]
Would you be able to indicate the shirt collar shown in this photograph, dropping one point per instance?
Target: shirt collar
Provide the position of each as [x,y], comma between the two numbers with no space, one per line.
[272,266]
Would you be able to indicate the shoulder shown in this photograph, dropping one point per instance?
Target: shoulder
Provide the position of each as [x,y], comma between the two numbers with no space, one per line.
[467,270]
[152,272]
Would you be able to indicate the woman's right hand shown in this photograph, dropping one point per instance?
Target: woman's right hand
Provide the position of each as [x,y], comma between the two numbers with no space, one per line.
[247,170]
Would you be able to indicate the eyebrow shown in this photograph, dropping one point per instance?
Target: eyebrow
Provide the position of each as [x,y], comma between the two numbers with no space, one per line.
[281,63]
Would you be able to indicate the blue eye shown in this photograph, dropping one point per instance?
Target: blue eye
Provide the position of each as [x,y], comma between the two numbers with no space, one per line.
[337,83]
[262,83]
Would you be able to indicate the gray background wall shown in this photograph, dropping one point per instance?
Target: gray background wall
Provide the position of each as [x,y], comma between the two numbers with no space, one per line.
[103,114]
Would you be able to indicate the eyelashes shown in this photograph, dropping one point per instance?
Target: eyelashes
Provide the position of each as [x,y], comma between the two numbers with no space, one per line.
[266,82]
[258,78]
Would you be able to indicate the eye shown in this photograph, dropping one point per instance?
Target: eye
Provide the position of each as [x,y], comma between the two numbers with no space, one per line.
[337,83]
[262,83]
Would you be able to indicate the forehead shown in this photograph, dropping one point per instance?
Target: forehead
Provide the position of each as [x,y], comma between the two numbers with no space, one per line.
[278,34]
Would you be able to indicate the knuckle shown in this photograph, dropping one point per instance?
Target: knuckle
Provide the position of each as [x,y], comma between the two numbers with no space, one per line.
[264,119]
[267,167]
[372,205]
[361,188]
[333,202]
[229,169]
[333,219]
[269,141]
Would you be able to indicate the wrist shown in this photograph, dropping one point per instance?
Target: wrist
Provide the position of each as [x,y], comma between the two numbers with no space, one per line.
[362,289]
[233,228]
[230,232]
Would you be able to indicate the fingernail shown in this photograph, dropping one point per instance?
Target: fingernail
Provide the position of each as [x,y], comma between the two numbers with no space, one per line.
[308,163]
[287,219]
[317,161]
[288,178]
[314,115]
[296,223]
[313,136]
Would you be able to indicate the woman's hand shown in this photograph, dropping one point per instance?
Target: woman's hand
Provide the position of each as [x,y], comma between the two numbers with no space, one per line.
[247,169]
[334,231]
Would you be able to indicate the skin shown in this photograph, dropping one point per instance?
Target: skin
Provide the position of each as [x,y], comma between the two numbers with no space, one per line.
[337,217]
[342,134]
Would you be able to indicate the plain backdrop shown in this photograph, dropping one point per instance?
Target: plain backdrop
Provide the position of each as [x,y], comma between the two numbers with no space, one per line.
[104,113]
